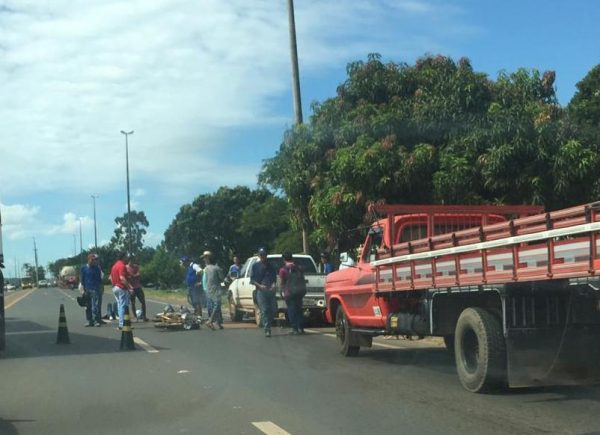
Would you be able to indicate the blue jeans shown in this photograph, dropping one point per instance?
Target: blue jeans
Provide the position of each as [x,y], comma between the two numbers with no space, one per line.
[122,297]
[294,306]
[266,302]
[215,314]
[92,310]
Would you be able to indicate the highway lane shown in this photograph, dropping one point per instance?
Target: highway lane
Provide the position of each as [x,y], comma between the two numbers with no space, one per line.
[237,381]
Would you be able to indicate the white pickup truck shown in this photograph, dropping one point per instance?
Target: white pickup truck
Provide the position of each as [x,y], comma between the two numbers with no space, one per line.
[242,294]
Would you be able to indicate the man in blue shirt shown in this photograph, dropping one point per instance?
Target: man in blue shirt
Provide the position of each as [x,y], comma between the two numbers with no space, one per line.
[264,277]
[91,284]
[326,264]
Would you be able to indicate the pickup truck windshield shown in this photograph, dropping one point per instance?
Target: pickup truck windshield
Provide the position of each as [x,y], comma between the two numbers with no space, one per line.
[305,263]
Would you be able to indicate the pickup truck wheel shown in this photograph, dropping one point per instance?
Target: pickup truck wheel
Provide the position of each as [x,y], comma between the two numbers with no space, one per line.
[480,351]
[234,314]
[342,333]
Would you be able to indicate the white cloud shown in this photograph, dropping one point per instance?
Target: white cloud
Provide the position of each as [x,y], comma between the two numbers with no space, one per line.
[19,221]
[71,225]
[180,73]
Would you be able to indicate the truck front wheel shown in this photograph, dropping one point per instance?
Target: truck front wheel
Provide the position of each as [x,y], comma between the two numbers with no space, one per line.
[342,333]
[480,351]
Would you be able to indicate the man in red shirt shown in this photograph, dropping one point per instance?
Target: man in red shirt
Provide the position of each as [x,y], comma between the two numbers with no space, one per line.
[120,282]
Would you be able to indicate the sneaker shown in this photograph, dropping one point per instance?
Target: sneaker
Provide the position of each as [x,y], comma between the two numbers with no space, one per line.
[294,332]
[268,334]
[301,331]
[87,325]
[98,324]
[102,322]
[221,327]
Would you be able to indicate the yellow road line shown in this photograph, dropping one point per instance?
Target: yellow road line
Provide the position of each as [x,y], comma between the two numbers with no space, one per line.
[10,304]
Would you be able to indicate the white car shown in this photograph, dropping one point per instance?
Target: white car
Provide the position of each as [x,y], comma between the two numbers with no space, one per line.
[242,294]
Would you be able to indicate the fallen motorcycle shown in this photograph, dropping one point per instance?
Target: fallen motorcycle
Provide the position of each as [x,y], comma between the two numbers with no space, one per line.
[182,319]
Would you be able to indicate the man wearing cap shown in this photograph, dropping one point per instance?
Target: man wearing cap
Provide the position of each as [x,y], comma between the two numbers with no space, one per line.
[212,276]
[191,279]
[264,276]
[91,283]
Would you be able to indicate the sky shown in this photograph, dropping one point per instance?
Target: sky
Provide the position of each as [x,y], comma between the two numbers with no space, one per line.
[206,87]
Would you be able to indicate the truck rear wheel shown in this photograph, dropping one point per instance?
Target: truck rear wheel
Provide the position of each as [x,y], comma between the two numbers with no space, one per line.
[342,333]
[480,351]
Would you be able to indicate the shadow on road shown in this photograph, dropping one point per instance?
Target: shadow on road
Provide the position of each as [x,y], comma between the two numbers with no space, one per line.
[40,341]
[8,428]
[430,358]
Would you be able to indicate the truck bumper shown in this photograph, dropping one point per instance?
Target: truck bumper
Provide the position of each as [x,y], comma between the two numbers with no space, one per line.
[553,356]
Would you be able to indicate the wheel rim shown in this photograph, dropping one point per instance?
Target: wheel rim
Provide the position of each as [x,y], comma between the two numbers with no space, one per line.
[470,351]
[340,329]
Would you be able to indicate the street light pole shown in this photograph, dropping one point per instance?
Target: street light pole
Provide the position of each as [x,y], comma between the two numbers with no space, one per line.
[80,243]
[296,93]
[127,133]
[95,229]
[37,278]
[295,73]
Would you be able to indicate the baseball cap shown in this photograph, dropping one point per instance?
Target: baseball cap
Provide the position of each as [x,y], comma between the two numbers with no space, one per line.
[92,257]
[207,254]
[184,259]
[262,252]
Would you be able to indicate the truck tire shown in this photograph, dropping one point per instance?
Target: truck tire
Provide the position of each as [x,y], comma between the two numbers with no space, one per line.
[342,333]
[234,314]
[480,351]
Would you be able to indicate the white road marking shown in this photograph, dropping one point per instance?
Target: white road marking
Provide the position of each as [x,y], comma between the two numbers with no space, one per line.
[144,345]
[269,428]
[67,295]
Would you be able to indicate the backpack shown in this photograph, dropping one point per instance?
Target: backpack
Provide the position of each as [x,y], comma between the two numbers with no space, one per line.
[295,283]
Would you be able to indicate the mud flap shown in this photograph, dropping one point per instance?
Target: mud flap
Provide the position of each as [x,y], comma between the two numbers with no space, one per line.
[553,356]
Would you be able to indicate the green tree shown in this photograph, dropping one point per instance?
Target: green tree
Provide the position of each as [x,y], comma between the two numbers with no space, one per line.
[231,220]
[163,270]
[433,132]
[121,237]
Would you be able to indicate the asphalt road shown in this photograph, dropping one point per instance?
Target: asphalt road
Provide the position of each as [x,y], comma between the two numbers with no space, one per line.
[236,381]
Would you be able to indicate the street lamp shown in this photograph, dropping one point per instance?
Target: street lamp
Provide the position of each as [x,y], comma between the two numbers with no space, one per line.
[127,133]
[95,229]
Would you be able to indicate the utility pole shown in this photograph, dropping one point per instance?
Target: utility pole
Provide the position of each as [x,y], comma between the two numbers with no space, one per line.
[95,229]
[127,133]
[37,278]
[296,93]
[74,245]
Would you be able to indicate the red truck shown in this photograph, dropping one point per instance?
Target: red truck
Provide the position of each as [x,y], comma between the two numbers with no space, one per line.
[513,291]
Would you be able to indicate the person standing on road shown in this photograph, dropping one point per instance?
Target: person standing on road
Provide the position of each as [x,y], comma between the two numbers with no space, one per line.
[133,270]
[235,268]
[212,277]
[91,283]
[193,284]
[292,298]
[120,281]
[326,266]
[263,276]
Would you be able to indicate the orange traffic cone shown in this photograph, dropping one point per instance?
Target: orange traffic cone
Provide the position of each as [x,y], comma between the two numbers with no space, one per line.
[63,332]
[126,334]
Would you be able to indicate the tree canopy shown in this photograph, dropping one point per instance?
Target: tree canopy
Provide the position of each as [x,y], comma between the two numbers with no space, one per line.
[433,132]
